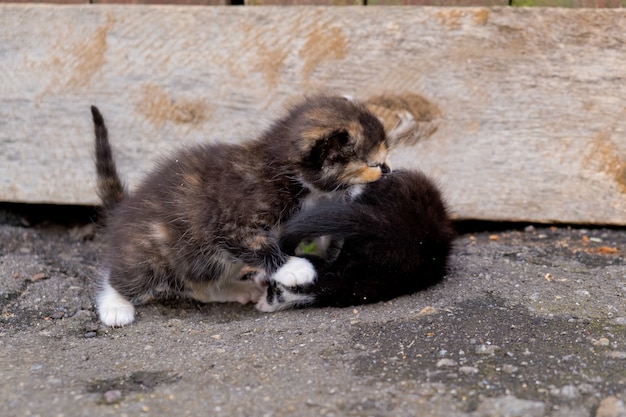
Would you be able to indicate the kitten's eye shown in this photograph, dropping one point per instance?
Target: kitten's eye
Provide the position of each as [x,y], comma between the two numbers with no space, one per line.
[384,168]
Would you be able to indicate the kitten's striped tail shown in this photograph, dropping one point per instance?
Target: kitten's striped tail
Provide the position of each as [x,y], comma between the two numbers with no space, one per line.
[109,186]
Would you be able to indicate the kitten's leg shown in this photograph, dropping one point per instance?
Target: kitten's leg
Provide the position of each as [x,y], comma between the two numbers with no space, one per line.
[261,250]
[244,286]
[113,309]
[296,272]
[247,287]
[277,297]
[243,292]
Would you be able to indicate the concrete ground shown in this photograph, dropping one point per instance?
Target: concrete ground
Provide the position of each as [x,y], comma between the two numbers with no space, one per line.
[529,322]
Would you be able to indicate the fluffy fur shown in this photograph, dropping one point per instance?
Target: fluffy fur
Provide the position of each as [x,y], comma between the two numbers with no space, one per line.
[393,239]
[211,213]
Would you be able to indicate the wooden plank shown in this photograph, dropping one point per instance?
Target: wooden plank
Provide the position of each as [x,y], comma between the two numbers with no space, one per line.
[177,2]
[303,2]
[523,111]
[47,1]
[444,3]
[569,3]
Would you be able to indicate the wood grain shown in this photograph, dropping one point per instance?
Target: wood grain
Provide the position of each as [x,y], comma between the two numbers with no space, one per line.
[526,114]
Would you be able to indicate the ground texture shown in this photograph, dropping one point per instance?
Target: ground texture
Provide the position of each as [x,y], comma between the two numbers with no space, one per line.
[531,321]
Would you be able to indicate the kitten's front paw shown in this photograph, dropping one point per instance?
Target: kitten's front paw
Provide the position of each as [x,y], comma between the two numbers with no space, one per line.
[261,280]
[264,306]
[117,316]
[251,295]
[277,297]
[113,309]
[296,272]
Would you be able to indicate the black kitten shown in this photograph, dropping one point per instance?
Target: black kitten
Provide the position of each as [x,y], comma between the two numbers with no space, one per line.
[393,239]
[211,213]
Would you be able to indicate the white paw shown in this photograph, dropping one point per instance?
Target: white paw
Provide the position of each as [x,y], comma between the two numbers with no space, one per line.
[113,309]
[282,299]
[297,271]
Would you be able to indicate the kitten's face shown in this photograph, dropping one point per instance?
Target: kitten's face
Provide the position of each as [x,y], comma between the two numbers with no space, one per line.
[343,144]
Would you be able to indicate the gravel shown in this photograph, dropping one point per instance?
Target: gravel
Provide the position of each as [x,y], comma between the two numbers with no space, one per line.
[529,322]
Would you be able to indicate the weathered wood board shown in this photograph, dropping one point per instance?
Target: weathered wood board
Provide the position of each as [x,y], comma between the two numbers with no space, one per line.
[527,106]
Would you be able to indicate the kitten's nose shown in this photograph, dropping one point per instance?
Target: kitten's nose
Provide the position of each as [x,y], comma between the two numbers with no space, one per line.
[385,168]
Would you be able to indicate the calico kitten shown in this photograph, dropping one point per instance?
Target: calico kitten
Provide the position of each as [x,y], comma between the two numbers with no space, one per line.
[393,239]
[211,213]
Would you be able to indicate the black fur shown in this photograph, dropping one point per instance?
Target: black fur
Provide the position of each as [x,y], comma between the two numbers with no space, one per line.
[393,239]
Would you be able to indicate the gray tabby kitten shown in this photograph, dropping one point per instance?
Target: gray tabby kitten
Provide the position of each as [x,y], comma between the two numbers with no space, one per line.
[204,218]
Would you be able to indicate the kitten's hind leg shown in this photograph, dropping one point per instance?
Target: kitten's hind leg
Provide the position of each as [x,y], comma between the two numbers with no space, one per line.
[296,272]
[113,309]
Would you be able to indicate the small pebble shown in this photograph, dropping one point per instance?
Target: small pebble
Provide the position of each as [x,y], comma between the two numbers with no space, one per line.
[568,392]
[565,411]
[586,389]
[38,277]
[509,369]
[446,363]
[468,370]
[611,407]
[582,293]
[509,406]
[427,311]
[173,323]
[486,349]
[57,315]
[112,396]
[616,354]
[620,321]
[92,327]
[82,313]
[603,341]
[90,335]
